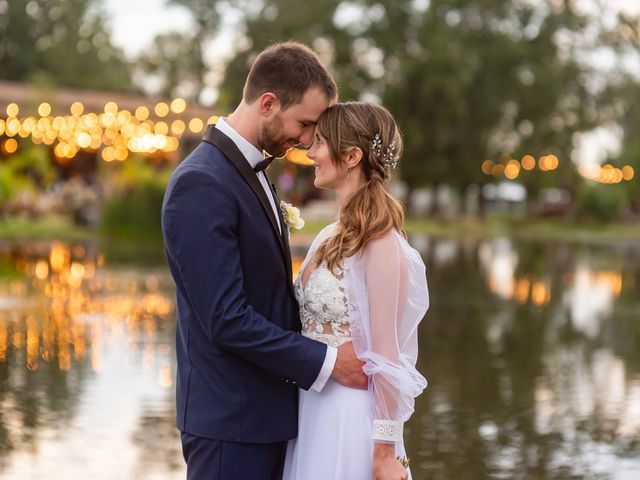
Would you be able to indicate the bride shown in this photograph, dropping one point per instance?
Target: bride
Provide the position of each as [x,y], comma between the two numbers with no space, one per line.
[360,282]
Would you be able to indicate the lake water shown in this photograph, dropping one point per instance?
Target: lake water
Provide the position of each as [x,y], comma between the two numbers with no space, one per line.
[532,352]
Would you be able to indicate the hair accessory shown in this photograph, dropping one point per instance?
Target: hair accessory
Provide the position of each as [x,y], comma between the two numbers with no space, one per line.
[389,159]
[376,146]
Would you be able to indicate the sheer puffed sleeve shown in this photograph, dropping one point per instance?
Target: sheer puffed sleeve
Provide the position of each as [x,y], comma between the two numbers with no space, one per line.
[389,297]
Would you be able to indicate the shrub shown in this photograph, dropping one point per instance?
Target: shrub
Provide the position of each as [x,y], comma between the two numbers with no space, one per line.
[600,202]
[134,204]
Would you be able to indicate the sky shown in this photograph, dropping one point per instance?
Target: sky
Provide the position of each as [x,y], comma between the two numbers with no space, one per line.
[134,23]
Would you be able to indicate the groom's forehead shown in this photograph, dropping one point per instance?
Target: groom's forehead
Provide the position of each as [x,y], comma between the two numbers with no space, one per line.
[313,103]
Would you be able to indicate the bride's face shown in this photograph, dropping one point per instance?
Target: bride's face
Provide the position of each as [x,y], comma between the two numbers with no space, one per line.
[328,175]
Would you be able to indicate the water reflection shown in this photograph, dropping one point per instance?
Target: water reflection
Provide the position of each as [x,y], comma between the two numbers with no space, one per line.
[82,347]
[54,299]
[531,350]
[532,355]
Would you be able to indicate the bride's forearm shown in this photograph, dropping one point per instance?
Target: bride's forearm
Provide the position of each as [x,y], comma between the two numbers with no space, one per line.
[382,450]
[385,464]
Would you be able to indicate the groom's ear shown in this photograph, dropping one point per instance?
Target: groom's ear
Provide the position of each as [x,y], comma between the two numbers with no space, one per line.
[353,157]
[268,103]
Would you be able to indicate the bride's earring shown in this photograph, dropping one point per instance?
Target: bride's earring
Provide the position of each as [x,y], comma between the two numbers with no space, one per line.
[348,172]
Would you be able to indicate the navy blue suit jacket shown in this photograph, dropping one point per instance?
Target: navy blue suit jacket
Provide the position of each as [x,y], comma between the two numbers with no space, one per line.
[239,357]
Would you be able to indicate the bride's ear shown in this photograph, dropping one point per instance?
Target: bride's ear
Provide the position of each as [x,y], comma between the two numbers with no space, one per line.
[353,157]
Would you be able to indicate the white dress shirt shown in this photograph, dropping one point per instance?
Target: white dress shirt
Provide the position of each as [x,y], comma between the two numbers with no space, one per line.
[254,156]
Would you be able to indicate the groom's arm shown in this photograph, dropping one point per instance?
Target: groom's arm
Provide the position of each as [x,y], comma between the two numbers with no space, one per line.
[200,221]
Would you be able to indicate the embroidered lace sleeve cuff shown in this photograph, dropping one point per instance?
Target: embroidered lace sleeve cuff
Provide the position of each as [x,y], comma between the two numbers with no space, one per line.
[387,430]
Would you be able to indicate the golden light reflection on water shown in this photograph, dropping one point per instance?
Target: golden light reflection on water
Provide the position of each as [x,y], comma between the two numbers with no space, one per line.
[55,303]
[527,288]
[524,289]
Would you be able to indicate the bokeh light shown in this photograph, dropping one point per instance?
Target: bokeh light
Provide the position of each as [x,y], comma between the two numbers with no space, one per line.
[178,105]
[114,133]
[161,109]
[44,109]
[12,110]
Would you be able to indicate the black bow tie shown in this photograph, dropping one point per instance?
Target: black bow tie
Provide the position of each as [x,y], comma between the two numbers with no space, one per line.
[261,166]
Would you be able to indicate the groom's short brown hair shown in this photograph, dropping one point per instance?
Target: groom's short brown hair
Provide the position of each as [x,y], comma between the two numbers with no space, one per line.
[288,69]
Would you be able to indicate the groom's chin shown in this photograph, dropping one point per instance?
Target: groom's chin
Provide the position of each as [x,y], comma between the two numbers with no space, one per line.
[280,152]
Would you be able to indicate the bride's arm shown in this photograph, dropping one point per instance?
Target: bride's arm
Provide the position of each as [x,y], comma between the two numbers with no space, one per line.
[394,380]
[386,278]
[385,464]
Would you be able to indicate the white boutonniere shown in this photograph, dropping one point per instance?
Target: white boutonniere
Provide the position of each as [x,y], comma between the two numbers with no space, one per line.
[291,215]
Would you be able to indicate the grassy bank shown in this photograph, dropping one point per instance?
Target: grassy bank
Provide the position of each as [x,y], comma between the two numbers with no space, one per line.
[530,229]
[59,228]
[524,229]
[63,229]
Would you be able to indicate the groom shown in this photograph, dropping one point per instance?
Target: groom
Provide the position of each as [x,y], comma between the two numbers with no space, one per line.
[240,360]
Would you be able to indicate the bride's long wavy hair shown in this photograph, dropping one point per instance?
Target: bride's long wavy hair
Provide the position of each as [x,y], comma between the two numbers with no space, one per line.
[372,211]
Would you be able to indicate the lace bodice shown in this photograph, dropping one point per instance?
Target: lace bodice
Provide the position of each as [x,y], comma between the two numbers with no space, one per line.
[324,311]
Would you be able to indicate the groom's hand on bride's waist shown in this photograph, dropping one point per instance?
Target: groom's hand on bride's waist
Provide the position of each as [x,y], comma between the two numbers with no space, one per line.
[348,368]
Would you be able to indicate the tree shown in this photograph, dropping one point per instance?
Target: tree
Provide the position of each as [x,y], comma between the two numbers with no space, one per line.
[170,60]
[478,80]
[206,19]
[625,36]
[467,81]
[630,149]
[65,41]
[309,22]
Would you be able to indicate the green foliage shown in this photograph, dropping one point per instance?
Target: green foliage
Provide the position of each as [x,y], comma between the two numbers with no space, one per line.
[466,80]
[630,152]
[174,61]
[65,42]
[486,78]
[33,162]
[24,171]
[600,202]
[10,183]
[136,201]
[177,60]
[279,20]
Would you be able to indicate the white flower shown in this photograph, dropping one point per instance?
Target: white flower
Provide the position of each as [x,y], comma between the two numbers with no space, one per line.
[291,215]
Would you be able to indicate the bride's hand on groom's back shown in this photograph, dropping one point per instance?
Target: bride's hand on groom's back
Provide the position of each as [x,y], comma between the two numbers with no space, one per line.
[348,368]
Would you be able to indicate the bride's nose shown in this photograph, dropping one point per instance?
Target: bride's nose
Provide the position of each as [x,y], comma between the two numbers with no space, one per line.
[311,153]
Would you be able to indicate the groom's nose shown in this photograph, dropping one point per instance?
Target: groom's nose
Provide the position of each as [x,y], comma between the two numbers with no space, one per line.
[306,137]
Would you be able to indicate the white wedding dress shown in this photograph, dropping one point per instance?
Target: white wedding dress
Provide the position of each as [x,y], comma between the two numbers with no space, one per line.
[376,301]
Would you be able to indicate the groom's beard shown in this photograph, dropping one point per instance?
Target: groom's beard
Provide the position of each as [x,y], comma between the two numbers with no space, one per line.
[271,139]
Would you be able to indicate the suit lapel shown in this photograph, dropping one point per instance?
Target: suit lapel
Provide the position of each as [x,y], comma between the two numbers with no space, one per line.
[285,234]
[218,139]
